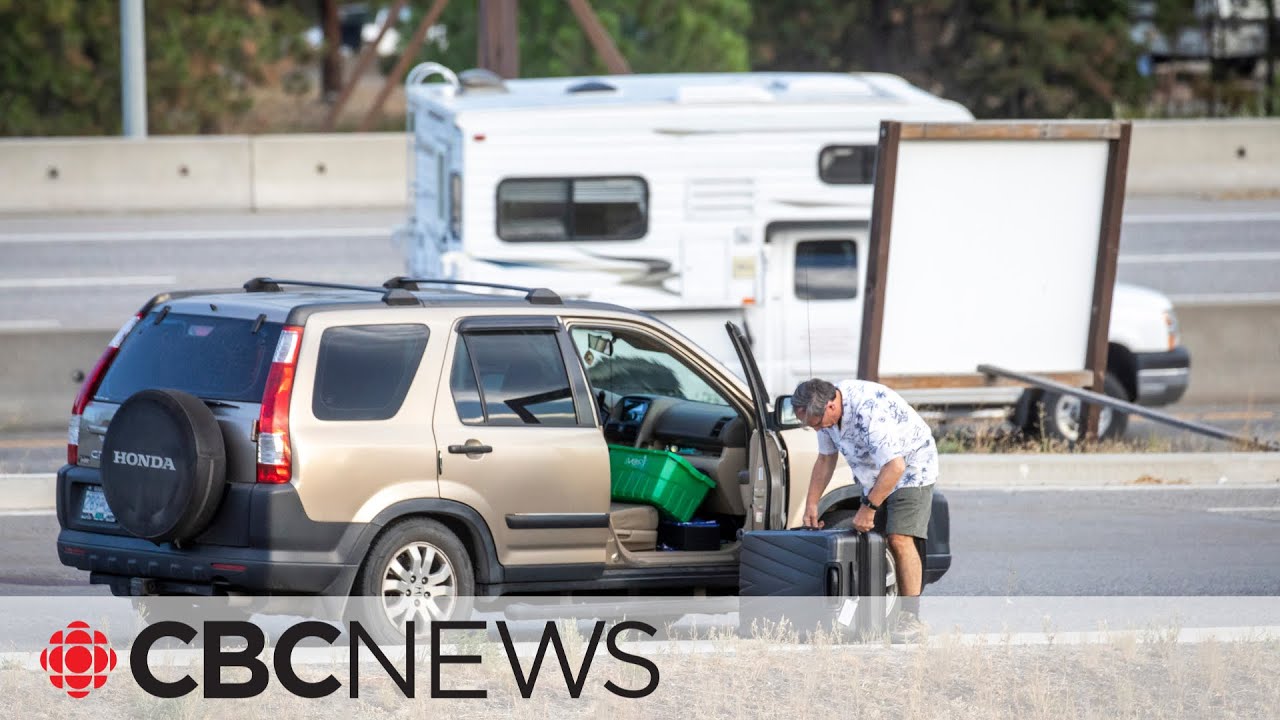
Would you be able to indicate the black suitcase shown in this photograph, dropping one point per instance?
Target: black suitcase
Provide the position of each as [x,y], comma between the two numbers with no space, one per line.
[829,579]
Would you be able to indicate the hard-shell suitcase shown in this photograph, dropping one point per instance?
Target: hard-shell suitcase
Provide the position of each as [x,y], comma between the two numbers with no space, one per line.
[830,579]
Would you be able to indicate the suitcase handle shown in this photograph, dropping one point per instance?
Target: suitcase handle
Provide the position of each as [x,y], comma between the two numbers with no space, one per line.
[833,581]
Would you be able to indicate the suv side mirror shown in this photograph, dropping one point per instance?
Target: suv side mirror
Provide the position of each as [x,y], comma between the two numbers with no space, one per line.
[784,413]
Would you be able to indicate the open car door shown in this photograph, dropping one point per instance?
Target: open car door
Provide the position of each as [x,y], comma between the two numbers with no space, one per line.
[767,471]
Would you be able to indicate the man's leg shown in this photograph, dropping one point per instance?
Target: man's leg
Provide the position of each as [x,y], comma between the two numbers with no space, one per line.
[907,559]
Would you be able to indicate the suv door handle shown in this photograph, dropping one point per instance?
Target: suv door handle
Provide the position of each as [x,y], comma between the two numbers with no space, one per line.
[470,449]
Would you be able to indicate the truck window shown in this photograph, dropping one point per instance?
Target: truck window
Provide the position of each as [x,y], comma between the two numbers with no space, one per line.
[847,164]
[572,209]
[826,270]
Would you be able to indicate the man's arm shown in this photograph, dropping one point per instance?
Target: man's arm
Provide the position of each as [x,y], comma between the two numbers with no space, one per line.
[823,469]
[888,478]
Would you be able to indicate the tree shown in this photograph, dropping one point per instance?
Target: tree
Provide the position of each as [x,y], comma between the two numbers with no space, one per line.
[1005,58]
[60,63]
[654,36]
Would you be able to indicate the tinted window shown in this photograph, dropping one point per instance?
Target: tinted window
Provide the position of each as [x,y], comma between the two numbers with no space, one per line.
[551,210]
[625,362]
[214,358]
[364,371]
[515,378]
[826,270]
[848,164]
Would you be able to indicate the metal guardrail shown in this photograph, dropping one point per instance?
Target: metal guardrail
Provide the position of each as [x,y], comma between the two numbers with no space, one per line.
[1128,407]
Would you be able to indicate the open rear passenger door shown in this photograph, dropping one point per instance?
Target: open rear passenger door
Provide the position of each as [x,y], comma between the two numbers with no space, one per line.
[767,470]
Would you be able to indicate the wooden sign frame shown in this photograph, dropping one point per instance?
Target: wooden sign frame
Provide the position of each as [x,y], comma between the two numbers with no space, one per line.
[892,134]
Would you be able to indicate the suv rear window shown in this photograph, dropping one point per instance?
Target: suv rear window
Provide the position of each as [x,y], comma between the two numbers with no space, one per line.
[364,371]
[213,358]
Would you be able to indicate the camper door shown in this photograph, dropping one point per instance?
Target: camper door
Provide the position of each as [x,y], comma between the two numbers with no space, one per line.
[814,301]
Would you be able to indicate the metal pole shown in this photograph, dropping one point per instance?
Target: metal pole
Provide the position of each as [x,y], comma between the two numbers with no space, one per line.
[133,69]
[1128,407]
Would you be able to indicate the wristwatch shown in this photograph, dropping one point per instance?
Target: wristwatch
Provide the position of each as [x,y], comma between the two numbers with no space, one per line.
[867,501]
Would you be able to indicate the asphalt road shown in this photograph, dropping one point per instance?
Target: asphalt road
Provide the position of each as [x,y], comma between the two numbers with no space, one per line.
[90,272]
[1170,541]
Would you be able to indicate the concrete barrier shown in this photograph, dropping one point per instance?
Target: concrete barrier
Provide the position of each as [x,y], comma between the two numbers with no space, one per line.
[321,171]
[269,172]
[114,174]
[1235,352]
[1204,156]
[38,385]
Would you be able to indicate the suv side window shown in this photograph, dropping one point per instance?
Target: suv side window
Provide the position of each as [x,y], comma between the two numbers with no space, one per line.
[364,371]
[512,377]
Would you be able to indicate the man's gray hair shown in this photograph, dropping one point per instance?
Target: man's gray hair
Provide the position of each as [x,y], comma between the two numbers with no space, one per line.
[811,397]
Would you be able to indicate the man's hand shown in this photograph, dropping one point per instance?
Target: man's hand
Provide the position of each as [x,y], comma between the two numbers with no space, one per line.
[865,519]
[811,516]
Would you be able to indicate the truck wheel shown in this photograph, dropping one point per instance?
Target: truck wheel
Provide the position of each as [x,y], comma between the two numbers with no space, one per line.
[1060,415]
[417,570]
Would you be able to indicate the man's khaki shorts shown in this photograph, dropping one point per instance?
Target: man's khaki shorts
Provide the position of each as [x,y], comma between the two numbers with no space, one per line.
[906,512]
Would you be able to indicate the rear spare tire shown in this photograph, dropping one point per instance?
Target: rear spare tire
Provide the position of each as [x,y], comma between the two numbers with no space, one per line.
[164,466]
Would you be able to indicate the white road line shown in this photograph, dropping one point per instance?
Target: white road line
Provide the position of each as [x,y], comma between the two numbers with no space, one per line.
[27,513]
[42,324]
[78,282]
[1262,298]
[1181,218]
[355,233]
[1272,508]
[1170,258]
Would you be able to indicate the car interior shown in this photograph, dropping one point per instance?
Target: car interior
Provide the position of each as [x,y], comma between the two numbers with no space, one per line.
[649,398]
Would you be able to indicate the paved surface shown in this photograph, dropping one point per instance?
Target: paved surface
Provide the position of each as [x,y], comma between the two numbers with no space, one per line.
[1163,541]
[1158,541]
[90,272]
[1199,250]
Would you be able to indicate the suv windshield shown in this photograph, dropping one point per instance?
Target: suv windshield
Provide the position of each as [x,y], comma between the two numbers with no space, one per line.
[213,358]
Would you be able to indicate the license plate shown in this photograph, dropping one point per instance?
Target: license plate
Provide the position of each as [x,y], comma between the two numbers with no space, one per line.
[95,506]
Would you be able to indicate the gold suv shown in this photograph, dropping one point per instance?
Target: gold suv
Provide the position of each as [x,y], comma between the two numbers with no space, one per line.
[414,441]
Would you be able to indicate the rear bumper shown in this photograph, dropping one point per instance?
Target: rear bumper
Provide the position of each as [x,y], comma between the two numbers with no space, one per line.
[261,542]
[1163,377]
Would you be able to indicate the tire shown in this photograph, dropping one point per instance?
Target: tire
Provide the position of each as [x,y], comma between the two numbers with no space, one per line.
[1059,414]
[445,593]
[164,465]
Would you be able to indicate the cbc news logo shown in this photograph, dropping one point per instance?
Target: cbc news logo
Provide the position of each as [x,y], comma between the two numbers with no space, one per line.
[78,659]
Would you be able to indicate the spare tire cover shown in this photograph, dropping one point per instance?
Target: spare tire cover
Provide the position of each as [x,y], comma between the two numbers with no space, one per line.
[164,466]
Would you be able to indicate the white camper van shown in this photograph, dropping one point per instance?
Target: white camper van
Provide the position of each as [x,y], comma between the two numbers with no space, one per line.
[696,197]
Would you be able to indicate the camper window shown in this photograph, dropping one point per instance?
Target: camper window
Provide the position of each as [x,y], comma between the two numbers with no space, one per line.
[826,270]
[847,164]
[572,209]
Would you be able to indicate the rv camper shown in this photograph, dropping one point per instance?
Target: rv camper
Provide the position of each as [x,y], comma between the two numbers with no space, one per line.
[699,198]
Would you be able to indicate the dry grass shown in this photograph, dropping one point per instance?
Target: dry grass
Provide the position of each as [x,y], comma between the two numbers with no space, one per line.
[769,678]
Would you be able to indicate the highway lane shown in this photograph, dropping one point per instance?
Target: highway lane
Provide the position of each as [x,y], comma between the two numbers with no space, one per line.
[1167,541]
[90,272]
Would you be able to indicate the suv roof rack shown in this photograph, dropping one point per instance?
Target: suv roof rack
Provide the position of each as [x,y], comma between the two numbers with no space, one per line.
[534,296]
[390,296]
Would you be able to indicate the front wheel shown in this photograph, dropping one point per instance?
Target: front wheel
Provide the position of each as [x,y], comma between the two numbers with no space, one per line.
[1061,416]
[419,571]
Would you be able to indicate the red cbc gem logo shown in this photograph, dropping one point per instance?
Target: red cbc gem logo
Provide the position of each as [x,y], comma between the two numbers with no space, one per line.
[78,659]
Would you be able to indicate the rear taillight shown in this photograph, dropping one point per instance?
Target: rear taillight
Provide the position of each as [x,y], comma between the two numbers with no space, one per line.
[274,454]
[90,387]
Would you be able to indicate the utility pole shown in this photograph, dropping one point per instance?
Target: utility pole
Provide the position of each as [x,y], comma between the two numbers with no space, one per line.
[331,60]
[133,69]
[1269,90]
[499,46]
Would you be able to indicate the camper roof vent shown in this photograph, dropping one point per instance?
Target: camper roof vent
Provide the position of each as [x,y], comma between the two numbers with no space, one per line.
[480,79]
[711,94]
[591,86]
[822,86]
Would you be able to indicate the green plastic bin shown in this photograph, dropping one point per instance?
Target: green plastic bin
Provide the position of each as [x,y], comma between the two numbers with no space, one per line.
[659,478]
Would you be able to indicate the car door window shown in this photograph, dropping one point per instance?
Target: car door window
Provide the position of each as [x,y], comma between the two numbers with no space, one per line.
[512,377]
[629,362]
